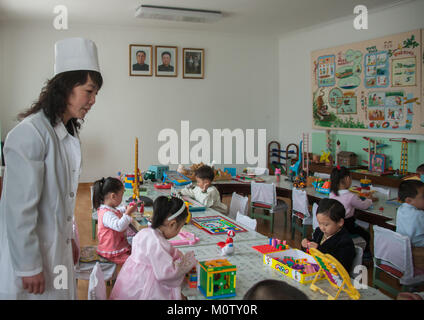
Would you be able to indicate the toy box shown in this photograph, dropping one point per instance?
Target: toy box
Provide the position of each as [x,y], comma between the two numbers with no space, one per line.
[217,278]
[176,178]
[287,261]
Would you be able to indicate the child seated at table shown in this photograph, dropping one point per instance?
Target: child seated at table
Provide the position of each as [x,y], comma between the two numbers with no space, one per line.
[155,269]
[113,219]
[331,236]
[274,290]
[340,182]
[410,217]
[204,192]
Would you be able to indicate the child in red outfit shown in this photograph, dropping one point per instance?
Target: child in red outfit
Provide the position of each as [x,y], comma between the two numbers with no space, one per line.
[113,221]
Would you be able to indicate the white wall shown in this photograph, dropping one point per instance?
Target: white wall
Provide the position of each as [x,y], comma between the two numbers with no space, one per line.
[295,93]
[239,89]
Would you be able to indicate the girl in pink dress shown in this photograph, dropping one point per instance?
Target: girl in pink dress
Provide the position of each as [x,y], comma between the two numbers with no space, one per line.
[341,181]
[155,269]
[113,221]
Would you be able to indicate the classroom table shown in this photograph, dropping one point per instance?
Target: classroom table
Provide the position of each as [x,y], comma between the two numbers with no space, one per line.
[249,262]
[385,218]
[251,269]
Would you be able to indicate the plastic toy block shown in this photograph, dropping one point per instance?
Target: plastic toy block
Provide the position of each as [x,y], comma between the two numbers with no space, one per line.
[217,278]
[266,248]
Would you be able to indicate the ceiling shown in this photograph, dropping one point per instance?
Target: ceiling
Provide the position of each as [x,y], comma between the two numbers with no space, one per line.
[271,17]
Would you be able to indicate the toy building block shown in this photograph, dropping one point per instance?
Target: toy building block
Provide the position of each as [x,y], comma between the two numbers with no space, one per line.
[217,279]
[191,278]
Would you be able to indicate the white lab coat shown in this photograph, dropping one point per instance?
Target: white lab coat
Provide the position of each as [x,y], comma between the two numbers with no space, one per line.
[37,208]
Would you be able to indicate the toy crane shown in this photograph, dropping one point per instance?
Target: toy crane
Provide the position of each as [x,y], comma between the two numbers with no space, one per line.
[404,153]
[136,183]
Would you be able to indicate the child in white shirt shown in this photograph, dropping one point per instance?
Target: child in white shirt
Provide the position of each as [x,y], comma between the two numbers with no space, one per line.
[204,192]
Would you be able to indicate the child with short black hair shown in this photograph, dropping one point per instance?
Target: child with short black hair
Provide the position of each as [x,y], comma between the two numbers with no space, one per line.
[271,289]
[113,219]
[155,270]
[331,236]
[340,182]
[410,217]
[204,192]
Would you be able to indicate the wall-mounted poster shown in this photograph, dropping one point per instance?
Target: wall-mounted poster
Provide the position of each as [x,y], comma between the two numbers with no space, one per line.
[373,85]
[404,72]
[326,71]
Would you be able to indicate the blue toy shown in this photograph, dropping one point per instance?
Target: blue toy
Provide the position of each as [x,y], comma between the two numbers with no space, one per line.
[176,178]
[159,171]
[295,168]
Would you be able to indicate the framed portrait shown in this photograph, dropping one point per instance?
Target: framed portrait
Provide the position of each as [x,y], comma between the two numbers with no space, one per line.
[166,62]
[141,59]
[193,63]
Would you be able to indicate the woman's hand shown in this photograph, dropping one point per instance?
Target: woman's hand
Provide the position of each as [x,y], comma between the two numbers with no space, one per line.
[34,284]
[75,251]
[305,243]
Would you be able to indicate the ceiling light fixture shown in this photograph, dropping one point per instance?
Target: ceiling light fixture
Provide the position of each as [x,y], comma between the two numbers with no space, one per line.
[177,14]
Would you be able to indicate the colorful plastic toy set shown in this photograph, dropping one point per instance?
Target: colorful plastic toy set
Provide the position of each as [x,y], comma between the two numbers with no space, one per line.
[293,263]
[336,275]
[322,186]
[273,246]
[217,279]
[176,178]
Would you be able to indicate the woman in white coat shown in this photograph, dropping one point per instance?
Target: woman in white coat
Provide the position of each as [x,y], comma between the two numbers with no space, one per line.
[38,245]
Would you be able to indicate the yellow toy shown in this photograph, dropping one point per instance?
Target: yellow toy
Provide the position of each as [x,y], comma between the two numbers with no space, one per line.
[325,156]
[335,273]
[137,175]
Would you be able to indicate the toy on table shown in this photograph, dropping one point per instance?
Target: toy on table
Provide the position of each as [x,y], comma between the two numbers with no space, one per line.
[277,173]
[322,186]
[137,179]
[404,154]
[273,246]
[156,172]
[216,225]
[335,273]
[294,264]
[219,175]
[294,169]
[227,247]
[193,205]
[248,178]
[217,279]
[191,278]
[176,178]
[364,191]
[162,185]
[185,238]
[300,180]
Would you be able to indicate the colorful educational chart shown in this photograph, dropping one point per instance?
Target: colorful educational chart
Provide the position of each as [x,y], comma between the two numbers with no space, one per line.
[216,225]
[326,67]
[374,85]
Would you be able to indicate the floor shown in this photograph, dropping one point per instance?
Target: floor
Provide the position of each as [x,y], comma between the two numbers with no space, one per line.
[83,219]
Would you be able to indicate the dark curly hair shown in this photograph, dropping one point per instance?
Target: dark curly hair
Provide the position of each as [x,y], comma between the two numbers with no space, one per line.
[54,96]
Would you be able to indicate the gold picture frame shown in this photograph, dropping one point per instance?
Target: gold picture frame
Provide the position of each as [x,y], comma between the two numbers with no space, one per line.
[166,62]
[193,63]
[141,60]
